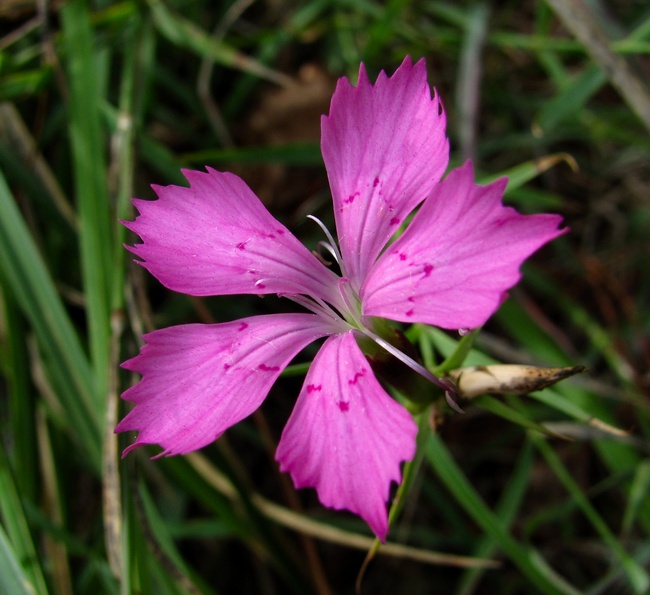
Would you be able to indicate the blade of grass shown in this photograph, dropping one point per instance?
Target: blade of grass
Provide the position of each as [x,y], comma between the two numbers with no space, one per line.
[639,493]
[121,182]
[581,404]
[543,349]
[637,576]
[526,558]
[186,34]
[301,23]
[570,100]
[56,548]
[13,517]
[186,578]
[577,17]
[27,166]
[21,399]
[567,399]
[87,143]
[12,578]
[535,43]
[506,510]
[467,96]
[599,337]
[151,151]
[456,359]
[496,407]
[527,171]
[575,92]
[23,84]
[23,270]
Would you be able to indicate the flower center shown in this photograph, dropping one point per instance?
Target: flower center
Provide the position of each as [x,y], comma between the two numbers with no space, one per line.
[348,312]
[353,312]
[350,307]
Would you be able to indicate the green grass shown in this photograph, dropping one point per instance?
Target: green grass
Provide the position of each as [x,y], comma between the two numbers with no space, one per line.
[542,493]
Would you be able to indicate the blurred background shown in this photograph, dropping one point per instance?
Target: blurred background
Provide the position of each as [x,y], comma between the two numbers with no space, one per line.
[521,494]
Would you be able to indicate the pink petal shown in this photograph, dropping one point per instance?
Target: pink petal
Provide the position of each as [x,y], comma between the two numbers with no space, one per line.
[346,437]
[384,147]
[199,379]
[217,238]
[460,254]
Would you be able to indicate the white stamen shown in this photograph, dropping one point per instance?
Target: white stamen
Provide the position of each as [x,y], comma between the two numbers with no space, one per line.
[331,247]
[351,311]
[318,307]
[330,250]
[443,383]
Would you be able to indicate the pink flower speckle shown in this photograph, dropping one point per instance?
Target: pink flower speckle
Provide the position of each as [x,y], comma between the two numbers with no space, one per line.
[385,149]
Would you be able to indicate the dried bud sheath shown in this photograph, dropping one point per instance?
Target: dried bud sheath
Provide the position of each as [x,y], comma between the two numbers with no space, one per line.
[508,379]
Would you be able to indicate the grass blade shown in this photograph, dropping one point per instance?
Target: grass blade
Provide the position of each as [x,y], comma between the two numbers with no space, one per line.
[13,517]
[12,577]
[23,270]
[638,578]
[185,33]
[506,509]
[87,142]
[528,561]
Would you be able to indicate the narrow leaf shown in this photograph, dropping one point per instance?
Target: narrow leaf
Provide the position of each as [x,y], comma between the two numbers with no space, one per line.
[26,276]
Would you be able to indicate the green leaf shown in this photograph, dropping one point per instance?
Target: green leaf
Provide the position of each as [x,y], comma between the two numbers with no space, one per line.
[12,578]
[507,508]
[97,244]
[23,270]
[185,576]
[566,104]
[186,34]
[23,84]
[529,170]
[21,398]
[639,495]
[13,518]
[512,415]
[456,359]
[637,576]
[529,562]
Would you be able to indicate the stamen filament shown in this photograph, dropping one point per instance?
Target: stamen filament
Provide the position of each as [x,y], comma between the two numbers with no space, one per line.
[318,307]
[331,247]
[330,250]
[351,313]
[443,383]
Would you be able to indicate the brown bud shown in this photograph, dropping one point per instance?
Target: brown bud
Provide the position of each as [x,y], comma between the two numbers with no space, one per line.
[507,379]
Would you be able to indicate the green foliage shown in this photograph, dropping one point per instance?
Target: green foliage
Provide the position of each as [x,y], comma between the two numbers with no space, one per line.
[98,99]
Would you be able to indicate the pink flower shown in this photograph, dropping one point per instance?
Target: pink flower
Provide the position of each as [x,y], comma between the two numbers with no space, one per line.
[385,151]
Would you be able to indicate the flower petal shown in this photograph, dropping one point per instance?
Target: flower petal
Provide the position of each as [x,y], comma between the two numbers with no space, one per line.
[217,238]
[346,437]
[384,147]
[200,379]
[458,256]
